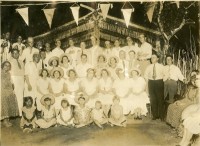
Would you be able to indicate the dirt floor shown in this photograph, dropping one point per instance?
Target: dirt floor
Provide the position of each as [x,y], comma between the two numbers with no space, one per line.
[137,133]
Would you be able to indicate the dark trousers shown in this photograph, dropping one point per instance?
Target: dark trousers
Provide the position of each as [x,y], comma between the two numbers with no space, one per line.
[156,91]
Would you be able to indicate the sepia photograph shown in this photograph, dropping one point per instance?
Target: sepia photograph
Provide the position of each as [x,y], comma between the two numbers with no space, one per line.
[100,73]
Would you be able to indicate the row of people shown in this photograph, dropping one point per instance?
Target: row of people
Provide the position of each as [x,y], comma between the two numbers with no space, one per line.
[69,115]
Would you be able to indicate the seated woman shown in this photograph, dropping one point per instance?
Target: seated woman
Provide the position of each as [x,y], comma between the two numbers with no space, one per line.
[139,96]
[48,112]
[82,114]
[89,86]
[191,120]
[53,62]
[72,86]
[101,63]
[175,110]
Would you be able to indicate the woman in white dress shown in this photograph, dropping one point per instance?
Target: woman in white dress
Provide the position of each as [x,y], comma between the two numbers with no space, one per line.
[57,86]
[105,90]
[101,63]
[113,65]
[42,86]
[65,64]
[72,86]
[139,97]
[122,89]
[89,87]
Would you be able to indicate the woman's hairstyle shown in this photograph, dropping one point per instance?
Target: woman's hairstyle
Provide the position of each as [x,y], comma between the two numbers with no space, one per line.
[81,97]
[56,61]
[104,58]
[13,50]
[56,71]
[132,51]
[98,102]
[65,101]
[26,99]
[72,70]
[105,71]
[43,71]
[91,69]
[66,57]
[83,55]
[3,64]
[116,98]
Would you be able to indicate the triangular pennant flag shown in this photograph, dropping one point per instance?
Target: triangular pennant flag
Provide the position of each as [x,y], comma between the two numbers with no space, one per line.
[150,12]
[104,9]
[75,13]
[24,13]
[127,15]
[177,4]
[49,15]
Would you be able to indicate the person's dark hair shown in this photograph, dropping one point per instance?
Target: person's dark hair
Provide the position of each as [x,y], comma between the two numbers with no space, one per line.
[104,58]
[156,54]
[13,50]
[72,70]
[26,99]
[44,70]
[63,57]
[56,61]
[57,71]
[105,71]
[83,55]
[81,97]
[132,51]
[47,99]
[3,64]
[168,55]
[65,101]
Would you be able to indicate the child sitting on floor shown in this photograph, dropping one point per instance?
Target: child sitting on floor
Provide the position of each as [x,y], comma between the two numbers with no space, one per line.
[65,116]
[28,115]
[116,114]
[98,115]
[48,112]
[82,114]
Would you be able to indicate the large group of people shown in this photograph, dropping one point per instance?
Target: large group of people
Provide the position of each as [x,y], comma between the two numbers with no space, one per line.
[78,85]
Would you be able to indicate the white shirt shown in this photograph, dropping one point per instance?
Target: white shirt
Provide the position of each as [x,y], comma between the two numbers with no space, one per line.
[172,72]
[109,52]
[27,54]
[81,69]
[121,87]
[73,52]
[116,51]
[15,70]
[95,51]
[145,48]
[134,48]
[159,72]
[6,54]
[57,52]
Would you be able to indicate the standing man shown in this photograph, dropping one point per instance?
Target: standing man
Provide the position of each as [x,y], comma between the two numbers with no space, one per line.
[17,75]
[19,45]
[154,74]
[171,75]
[57,51]
[27,53]
[144,54]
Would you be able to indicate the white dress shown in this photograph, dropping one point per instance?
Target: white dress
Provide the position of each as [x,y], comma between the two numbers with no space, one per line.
[139,98]
[72,87]
[43,85]
[66,71]
[66,115]
[122,87]
[98,115]
[57,87]
[105,85]
[90,88]
[191,116]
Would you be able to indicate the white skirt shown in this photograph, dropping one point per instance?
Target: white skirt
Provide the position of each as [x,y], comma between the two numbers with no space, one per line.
[106,99]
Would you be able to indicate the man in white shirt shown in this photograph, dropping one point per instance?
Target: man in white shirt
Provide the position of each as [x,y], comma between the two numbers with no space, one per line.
[83,66]
[171,75]
[108,51]
[95,50]
[19,45]
[116,48]
[17,75]
[154,74]
[130,46]
[48,53]
[144,53]
[73,52]
[57,51]
[27,53]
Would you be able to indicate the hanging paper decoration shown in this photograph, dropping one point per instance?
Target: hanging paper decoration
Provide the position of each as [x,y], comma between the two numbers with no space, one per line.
[104,9]
[127,15]
[24,13]
[49,15]
[150,12]
[177,4]
[75,13]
